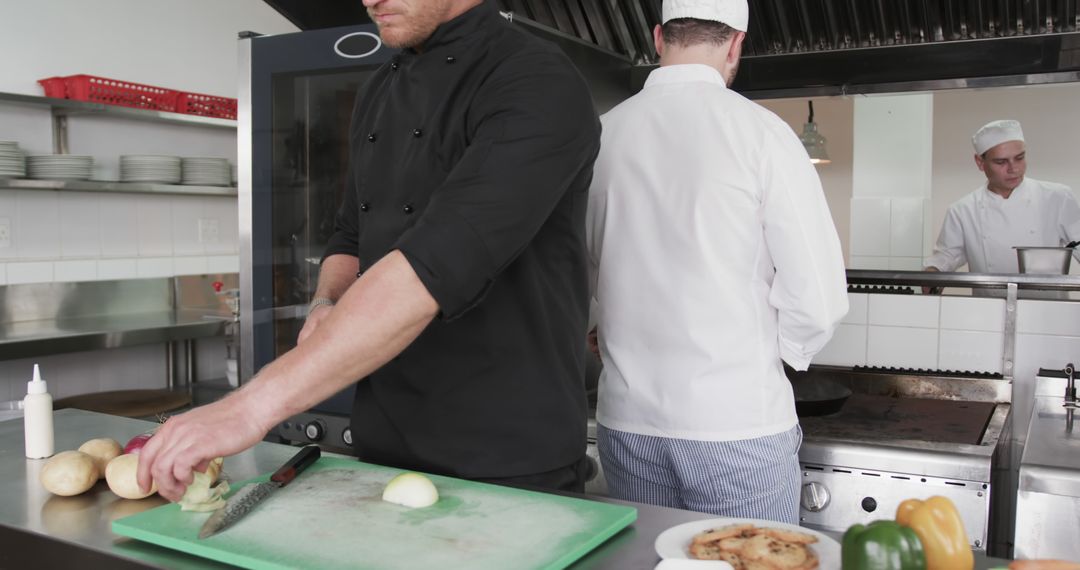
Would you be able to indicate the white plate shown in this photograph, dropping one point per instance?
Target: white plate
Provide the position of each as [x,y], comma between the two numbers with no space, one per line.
[675,541]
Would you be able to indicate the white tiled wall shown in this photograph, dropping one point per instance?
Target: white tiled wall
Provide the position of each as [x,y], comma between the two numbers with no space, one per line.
[902,347]
[905,310]
[906,227]
[83,236]
[76,373]
[887,232]
[919,331]
[868,217]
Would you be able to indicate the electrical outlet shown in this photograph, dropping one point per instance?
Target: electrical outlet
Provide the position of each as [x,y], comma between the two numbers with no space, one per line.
[208,230]
[5,233]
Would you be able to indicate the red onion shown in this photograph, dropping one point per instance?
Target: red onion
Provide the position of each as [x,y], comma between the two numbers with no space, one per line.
[136,443]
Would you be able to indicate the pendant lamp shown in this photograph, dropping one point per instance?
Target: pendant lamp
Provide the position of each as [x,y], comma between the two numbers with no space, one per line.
[813,141]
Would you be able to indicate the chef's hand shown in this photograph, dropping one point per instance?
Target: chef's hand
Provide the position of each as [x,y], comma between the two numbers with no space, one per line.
[931,290]
[189,441]
[313,319]
[592,343]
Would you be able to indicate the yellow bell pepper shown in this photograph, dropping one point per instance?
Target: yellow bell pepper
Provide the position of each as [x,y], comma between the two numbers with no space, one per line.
[940,530]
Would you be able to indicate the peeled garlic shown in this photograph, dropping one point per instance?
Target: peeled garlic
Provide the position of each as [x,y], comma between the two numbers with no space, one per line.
[411,490]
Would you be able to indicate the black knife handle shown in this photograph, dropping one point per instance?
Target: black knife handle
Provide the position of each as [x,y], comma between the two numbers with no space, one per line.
[296,465]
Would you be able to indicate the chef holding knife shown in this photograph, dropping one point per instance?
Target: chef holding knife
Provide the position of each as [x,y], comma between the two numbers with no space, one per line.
[714,259]
[1008,210]
[471,154]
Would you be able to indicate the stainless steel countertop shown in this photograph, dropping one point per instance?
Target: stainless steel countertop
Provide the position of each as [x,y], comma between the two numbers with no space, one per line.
[1051,461]
[27,339]
[39,529]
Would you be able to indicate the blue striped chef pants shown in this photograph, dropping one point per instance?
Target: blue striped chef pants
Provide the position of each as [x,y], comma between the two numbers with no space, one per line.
[751,478]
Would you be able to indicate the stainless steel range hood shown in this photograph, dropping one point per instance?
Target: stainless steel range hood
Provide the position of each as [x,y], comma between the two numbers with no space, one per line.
[821,47]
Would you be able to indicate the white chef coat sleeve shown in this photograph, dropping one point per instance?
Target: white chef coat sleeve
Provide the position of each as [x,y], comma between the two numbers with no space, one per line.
[594,238]
[1069,220]
[809,289]
[949,254]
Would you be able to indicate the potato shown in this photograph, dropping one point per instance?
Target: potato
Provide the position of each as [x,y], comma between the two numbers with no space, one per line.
[121,476]
[69,473]
[103,450]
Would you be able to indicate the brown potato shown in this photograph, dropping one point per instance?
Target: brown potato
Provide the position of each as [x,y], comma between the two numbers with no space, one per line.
[121,476]
[69,473]
[103,450]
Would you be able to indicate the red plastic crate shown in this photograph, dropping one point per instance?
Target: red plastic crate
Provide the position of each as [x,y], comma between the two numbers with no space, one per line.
[114,92]
[55,87]
[206,105]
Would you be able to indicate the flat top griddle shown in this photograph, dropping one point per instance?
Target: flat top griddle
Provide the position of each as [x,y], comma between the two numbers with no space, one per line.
[883,417]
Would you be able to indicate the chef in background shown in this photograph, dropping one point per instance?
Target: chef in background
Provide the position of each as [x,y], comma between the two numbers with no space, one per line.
[714,258]
[470,159]
[1008,210]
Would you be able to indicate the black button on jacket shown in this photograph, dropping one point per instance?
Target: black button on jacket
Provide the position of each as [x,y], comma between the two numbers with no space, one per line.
[478,174]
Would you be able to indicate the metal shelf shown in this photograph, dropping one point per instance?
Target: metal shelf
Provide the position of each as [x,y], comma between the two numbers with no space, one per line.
[963,279]
[68,107]
[106,186]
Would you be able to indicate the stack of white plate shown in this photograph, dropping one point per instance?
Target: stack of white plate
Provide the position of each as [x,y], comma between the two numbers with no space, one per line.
[12,161]
[59,166]
[150,168]
[207,172]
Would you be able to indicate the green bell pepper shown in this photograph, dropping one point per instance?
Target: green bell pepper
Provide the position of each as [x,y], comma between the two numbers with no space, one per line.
[882,545]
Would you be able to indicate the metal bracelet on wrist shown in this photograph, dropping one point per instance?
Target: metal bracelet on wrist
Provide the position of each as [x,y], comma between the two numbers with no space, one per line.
[320,301]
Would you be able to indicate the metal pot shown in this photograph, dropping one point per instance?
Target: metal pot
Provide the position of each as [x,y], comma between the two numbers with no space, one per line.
[1044,260]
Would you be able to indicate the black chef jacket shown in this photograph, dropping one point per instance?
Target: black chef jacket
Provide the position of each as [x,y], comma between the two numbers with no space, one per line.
[473,158]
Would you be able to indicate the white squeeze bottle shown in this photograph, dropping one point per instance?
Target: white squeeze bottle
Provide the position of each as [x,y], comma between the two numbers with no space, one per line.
[38,418]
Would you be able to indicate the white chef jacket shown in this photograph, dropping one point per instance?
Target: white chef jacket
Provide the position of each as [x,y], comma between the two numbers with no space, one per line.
[713,256]
[982,228]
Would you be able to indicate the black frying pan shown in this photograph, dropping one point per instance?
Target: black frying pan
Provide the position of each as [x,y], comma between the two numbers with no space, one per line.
[816,395]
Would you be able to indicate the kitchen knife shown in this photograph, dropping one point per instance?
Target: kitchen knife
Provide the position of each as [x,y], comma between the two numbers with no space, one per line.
[252,494]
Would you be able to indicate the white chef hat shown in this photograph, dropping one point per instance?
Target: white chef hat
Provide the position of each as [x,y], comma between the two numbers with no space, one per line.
[996,132]
[734,13]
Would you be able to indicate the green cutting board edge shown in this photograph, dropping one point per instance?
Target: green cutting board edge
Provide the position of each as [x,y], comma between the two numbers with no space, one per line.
[332,516]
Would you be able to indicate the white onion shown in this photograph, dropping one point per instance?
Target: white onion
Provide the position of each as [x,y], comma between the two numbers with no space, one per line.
[411,490]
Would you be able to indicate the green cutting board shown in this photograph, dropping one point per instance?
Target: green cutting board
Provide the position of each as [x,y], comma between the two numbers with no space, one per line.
[333,516]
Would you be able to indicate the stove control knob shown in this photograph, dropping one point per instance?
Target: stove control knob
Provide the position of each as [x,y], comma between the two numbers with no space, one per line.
[346,436]
[815,497]
[869,504]
[315,430]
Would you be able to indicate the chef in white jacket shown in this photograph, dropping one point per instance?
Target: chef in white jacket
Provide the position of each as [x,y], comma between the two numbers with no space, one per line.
[1008,210]
[714,258]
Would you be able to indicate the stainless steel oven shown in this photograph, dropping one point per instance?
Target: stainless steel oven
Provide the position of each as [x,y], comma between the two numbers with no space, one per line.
[907,434]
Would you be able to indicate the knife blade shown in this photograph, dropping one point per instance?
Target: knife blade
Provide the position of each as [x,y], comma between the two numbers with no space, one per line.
[247,498]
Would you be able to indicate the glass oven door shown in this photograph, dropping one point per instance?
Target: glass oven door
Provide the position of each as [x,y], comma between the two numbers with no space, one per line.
[295,107]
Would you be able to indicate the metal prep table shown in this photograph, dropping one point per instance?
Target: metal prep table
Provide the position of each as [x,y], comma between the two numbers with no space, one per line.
[41,531]
[1048,499]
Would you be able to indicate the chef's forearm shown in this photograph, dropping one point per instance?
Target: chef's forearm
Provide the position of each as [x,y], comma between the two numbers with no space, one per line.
[336,274]
[375,319]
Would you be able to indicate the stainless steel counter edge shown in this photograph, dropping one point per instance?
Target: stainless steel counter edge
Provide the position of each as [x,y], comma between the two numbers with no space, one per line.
[43,531]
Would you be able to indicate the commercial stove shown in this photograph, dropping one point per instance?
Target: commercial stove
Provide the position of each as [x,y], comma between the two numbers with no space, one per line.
[905,434]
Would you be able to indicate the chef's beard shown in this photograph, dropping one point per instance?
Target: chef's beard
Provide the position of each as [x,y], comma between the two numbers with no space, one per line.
[413,31]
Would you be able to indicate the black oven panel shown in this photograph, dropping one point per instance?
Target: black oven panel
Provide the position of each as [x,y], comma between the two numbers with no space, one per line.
[329,431]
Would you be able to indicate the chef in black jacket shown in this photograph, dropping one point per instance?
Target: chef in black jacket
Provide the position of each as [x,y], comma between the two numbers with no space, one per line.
[471,155]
